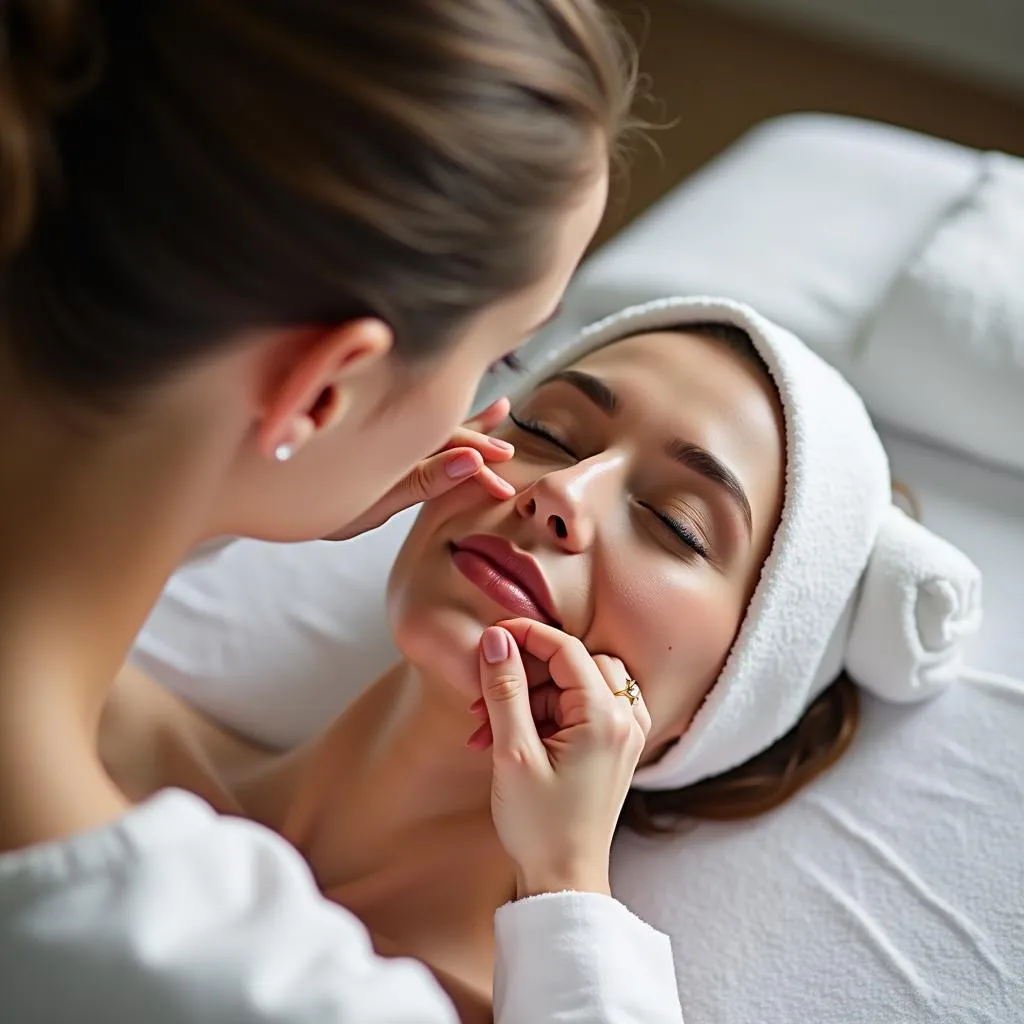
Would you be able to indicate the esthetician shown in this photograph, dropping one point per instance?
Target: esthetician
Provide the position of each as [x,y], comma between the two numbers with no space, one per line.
[256,257]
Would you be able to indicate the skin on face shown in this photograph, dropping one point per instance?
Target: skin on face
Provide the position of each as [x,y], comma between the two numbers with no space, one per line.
[382,416]
[646,550]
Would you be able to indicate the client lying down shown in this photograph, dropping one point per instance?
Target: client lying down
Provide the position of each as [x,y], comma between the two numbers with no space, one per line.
[700,498]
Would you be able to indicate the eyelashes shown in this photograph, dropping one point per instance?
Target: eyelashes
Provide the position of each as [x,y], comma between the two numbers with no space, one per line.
[538,430]
[682,532]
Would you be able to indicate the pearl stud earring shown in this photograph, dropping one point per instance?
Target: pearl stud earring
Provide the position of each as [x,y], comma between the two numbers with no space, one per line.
[283,452]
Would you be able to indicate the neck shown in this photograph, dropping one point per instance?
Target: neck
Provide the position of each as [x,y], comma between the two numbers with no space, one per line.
[93,522]
[391,770]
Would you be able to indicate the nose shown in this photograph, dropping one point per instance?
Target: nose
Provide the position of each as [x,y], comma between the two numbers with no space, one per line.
[566,504]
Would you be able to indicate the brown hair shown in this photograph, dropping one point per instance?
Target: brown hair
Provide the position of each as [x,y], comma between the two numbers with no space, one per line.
[816,742]
[176,172]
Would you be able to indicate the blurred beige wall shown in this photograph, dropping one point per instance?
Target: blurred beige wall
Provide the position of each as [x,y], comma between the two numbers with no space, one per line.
[715,73]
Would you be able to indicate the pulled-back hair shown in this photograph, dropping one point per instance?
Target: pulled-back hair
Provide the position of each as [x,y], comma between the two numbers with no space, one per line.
[174,173]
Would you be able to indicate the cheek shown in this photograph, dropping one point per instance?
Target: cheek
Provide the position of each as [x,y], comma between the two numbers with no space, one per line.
[673,627]
[426,418]
[429,625]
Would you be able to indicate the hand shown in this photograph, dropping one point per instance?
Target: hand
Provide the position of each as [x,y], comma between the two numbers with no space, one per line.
[556,798]
[463,457]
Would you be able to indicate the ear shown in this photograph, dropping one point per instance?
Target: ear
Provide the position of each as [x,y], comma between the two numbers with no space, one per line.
[305,393]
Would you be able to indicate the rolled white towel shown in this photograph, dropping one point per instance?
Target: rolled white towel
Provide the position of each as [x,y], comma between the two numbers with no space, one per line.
[919,600]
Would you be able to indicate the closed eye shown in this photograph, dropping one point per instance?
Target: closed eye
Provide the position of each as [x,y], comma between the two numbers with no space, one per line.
[539,430]
[681,530]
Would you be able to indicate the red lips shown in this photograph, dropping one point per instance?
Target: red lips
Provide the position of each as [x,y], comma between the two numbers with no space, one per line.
[518,567]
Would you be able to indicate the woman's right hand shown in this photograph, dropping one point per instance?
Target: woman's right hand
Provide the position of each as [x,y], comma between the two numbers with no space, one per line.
[556,799]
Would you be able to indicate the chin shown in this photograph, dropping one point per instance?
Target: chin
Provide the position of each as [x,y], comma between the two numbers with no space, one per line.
[436,619]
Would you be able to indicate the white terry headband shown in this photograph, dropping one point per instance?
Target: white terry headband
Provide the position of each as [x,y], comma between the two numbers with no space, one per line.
[850,582]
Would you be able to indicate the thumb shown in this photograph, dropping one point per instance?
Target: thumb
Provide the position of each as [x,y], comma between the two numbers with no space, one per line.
[507,696]
[427,479]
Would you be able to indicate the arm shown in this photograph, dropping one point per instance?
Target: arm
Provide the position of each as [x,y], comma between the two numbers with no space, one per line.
[581,958]
[567,952]
[173,914]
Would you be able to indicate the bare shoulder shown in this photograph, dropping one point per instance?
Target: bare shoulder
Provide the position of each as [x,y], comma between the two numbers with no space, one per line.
[150,739]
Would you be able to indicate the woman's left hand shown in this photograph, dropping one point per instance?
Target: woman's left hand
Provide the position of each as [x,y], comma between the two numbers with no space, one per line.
[464,457]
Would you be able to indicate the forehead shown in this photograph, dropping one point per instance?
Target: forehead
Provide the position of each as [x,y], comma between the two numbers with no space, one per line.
[700,390]
[676,369]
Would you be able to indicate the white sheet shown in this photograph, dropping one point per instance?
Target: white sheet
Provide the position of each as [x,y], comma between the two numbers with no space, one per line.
[893,890]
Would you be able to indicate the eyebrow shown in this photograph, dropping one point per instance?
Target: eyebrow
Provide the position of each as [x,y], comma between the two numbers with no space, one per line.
[595,389]
[692,456]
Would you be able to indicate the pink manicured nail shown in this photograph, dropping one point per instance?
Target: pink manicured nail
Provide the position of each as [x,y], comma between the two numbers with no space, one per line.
[505,446]
[462,466]
[495,645]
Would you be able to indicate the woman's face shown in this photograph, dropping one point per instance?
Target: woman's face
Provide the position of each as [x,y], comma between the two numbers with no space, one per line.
[650,483]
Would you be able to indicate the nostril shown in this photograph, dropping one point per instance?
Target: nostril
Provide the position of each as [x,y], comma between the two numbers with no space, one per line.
[561,530]
[531,507]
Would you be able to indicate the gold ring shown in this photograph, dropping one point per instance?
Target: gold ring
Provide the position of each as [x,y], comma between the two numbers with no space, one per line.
[631,691]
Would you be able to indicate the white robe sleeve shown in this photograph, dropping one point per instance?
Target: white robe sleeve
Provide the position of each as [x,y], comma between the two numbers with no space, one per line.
[173,914]
[581,958]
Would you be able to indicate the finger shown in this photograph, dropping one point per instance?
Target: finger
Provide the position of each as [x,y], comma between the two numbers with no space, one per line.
[430,478]
[436,476]
[617,676]
[543,703]
[506,695]
[481,738]
[613,671]
[570,665]
[494,449]
[487,419]
[544,707]
[496,486]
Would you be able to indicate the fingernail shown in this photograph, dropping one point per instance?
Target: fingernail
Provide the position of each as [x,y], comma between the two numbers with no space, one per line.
[462,466]
[505,446]
[495,644]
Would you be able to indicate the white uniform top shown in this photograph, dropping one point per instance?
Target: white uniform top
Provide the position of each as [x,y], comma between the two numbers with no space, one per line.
[175,915]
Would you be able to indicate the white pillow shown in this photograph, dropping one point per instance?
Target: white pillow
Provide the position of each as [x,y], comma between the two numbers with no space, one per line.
[274,640]
[943,357]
